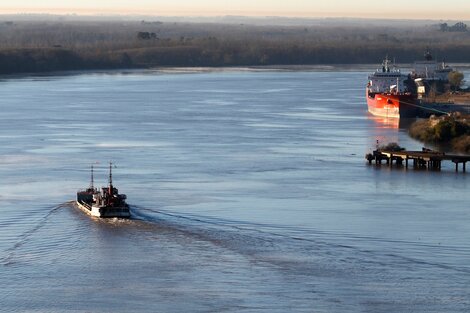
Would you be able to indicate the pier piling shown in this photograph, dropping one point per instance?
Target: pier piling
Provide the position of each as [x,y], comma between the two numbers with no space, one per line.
[426,159]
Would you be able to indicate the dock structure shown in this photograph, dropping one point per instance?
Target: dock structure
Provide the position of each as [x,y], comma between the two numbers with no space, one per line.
[425,159]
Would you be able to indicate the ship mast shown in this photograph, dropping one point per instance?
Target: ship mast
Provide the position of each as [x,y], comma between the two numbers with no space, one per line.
[110,188]
[92,180]
[110,174]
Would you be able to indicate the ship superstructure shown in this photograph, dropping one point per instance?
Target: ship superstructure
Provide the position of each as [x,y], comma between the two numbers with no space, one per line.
[430,69]
[104,202]
[430,76]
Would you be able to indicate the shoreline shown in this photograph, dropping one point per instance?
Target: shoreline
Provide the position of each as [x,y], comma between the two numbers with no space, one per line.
[451,131]
[213,69]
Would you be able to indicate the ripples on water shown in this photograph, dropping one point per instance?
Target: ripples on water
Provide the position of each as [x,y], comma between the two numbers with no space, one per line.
[249,192]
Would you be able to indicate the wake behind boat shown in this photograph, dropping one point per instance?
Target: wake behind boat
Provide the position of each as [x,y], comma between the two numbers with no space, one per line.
[106,202]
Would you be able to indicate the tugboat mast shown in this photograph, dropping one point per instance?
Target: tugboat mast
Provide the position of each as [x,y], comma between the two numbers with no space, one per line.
[110,178]
[92,180]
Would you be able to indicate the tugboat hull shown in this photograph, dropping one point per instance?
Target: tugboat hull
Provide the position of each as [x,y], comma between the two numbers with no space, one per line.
[105,212]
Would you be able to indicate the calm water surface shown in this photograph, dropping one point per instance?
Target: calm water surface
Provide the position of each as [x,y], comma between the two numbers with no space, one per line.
[249,192]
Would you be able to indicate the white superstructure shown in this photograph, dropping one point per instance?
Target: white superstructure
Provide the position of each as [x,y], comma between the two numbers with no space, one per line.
[429,69]
[387,80]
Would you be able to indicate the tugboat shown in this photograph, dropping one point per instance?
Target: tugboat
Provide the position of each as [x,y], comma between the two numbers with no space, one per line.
[105,203]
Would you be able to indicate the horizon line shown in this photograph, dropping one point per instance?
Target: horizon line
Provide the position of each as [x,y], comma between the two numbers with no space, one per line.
[85,13]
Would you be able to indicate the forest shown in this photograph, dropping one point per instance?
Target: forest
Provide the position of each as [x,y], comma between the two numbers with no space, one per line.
[57,44]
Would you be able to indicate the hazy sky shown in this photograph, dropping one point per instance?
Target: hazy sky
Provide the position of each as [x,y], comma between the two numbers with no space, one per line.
[422,9]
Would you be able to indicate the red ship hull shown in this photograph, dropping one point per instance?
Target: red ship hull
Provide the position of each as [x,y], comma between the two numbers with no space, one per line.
[391,105]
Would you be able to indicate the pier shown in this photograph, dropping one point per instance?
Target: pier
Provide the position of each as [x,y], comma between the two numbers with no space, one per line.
[425,159]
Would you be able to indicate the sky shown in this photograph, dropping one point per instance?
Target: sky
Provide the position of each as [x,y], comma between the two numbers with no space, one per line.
[414,9]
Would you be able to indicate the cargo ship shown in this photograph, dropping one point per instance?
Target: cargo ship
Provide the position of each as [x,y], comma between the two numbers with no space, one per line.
[388,93]
[430,70]
[104,203]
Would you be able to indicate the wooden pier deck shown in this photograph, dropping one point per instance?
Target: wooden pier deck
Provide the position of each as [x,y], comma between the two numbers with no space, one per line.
[425,159]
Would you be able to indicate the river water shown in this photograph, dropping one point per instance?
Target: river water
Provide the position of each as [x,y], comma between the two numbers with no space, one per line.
[249,193]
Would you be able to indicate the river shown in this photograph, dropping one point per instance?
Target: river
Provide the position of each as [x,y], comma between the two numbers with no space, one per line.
[249,193]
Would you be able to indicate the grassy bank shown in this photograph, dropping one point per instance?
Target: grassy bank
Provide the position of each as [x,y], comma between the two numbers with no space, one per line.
[453,130]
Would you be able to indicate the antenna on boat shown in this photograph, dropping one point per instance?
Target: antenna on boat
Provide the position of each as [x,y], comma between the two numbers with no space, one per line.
[92,181]
[110,188]
[110,174]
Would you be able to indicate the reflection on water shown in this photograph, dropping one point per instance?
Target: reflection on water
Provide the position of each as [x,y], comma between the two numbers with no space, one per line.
[382,122]
[394,123]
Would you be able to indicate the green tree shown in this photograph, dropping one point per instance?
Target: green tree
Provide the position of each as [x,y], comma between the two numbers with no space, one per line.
[443,131]
[455,79]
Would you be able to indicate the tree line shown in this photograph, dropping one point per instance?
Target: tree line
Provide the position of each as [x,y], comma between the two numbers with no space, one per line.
[29,46]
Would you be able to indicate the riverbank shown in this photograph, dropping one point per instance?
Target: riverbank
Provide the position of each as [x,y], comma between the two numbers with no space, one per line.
[458,97]
[48,60]
[452,129]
